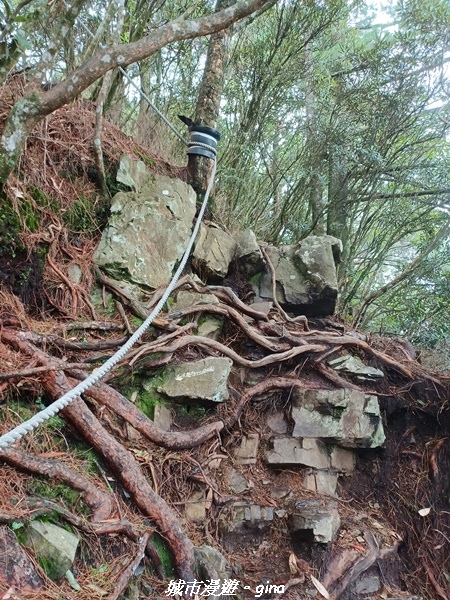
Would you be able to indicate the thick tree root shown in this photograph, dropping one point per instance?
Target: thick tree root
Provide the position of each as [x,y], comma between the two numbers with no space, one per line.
[99,501]
[121,462]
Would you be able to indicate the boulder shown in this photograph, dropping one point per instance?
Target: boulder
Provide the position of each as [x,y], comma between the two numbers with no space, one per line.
[347,417]
[213,253]
[148,232]
[248,253]
[204,379]
[54,546]
[315,521]
[306,278]
[132,173]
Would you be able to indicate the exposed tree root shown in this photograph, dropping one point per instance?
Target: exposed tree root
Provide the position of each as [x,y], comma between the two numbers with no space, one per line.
[123,464]
[128,471]
[128,573]
[349,566]
[98,501]
[285,349]
[174,440]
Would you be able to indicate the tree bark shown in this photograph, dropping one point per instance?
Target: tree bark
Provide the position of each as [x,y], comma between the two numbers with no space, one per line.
[208,101]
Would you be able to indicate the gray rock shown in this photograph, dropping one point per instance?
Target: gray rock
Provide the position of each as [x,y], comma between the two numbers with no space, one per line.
[310,452]
[195,510]
[342,459]
[348,417]
[277,423]
[132,173]
[354,366]
[305,274]
[54,545]
[186,299]
[247,452]
[315,520]
[74,272]
[248,253]
[264,307]
[148,232]
[211,328]
[215,559]
[245,516]
[162,417]
[204,379]
[213,253]
[235,481]
[288,451]
[367,583]
[321,482]
[246,243]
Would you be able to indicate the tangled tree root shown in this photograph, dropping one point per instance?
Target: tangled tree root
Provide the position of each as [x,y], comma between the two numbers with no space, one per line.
[293,355]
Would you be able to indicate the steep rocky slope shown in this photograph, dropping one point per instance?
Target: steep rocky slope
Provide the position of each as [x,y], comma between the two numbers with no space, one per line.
[250,438]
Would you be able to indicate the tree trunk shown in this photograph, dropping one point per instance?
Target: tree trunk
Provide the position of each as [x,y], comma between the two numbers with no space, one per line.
[208,101]
[338,208]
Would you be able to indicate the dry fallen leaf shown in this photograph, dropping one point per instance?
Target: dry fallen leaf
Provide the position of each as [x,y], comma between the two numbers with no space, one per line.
[319,587]
[209,499]
[293,564]
[423,512]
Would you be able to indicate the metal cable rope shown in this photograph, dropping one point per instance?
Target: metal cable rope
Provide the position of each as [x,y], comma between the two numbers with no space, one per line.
[51,410]
[18,432]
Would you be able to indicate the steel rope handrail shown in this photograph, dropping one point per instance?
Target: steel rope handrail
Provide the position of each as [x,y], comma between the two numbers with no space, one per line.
[27,426]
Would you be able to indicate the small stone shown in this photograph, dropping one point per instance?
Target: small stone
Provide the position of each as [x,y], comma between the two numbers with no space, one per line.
[235,481]
[248,450]
[277,423]
[74,273]
[54,545]
[308,452]
[196,507]
[321,482]
[368,583]
[162,417]
[315,521]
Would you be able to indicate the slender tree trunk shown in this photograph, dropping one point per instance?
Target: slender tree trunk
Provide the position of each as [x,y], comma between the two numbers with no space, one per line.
[208,101]
[315,150]
[338,209]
